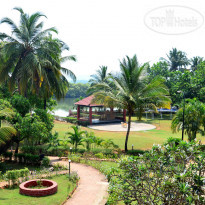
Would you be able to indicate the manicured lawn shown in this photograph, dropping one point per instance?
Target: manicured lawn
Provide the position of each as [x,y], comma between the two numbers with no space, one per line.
[141,140]
[12,196]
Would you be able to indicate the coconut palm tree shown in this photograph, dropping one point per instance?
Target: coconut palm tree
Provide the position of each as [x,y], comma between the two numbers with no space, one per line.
[195,61]
[152,95]
[89,139]
[29,52]
[194,120]
[130,86]
[176,59]
[76,138]
[100,76]
[55,79]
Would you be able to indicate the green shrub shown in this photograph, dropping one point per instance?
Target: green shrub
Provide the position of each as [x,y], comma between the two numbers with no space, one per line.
[168,174]
[135,152]
[100,155]
[95,116]
[71,119]
[45,162]
[80,151]
[56,150]
[58,166]
[75,158]
[13,176]
[83,123]
[28,158]
[29,149]
[73,177]
[36,150]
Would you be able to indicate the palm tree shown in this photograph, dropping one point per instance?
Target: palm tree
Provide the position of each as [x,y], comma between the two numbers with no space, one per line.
[29,52]
[55,78]
[100,76]
[89,139]
[109,143]
[76,138]
[176,59]
[195,61]
[194,122]
[152,95]
[130,87]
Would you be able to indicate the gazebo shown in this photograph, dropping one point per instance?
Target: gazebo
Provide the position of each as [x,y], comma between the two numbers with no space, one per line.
[98,113]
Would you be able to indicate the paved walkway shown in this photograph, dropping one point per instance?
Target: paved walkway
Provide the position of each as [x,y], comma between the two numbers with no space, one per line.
[92,188]
[135,126]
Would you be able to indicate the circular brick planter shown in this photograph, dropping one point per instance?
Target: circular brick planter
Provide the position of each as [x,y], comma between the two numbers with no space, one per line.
[52,188]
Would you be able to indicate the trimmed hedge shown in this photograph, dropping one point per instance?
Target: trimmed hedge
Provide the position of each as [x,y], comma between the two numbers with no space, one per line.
[83,123]
[71,119]
[28,158]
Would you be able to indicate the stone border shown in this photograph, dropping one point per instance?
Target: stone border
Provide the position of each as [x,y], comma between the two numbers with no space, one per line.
[52,188]
[135,127]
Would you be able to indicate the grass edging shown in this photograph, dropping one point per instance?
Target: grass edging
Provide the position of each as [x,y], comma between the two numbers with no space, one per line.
[71,194]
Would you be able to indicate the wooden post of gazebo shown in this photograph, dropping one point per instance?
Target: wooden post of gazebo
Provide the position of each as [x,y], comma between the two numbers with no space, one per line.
[78,112]
[90,115]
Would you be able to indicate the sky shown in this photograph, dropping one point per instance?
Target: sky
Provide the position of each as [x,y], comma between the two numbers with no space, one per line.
[103,32]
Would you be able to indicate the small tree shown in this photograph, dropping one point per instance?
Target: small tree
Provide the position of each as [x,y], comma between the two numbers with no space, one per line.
[194,120]
[76,138]
[30,129]
[89,139]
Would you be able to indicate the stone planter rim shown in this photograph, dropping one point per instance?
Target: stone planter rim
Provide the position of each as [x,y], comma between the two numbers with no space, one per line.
[38,192]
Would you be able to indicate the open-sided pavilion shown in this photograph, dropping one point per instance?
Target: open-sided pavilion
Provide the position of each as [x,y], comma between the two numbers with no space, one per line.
[98,113]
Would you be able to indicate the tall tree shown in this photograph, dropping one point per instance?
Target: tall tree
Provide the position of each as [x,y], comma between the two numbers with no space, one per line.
[29,52]
[195,61]
[100,76]
[176,59]
[130,86]
[55,78]
[194,119]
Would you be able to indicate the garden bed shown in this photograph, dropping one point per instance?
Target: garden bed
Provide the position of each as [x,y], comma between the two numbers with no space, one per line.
[65,188]
[32,188]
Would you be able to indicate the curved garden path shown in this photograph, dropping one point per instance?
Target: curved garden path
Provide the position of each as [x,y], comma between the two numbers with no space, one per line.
[92,187]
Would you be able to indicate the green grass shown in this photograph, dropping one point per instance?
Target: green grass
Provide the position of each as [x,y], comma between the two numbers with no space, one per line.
[142,140]
[12,196]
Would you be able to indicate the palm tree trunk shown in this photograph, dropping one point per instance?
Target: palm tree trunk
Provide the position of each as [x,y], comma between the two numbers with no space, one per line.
[128,131]
[140,113]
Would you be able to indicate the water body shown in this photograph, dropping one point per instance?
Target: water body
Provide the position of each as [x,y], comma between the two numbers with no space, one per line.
[63,107]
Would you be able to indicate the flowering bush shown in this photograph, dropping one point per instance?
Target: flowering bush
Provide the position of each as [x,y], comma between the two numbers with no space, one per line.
[169,174]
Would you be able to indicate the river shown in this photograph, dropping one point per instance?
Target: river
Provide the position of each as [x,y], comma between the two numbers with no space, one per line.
[63,107]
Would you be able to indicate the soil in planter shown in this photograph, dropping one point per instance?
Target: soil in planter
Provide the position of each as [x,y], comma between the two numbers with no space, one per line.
[38,186]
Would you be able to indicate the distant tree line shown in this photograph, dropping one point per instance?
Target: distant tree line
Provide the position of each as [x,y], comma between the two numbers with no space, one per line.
[77,90]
